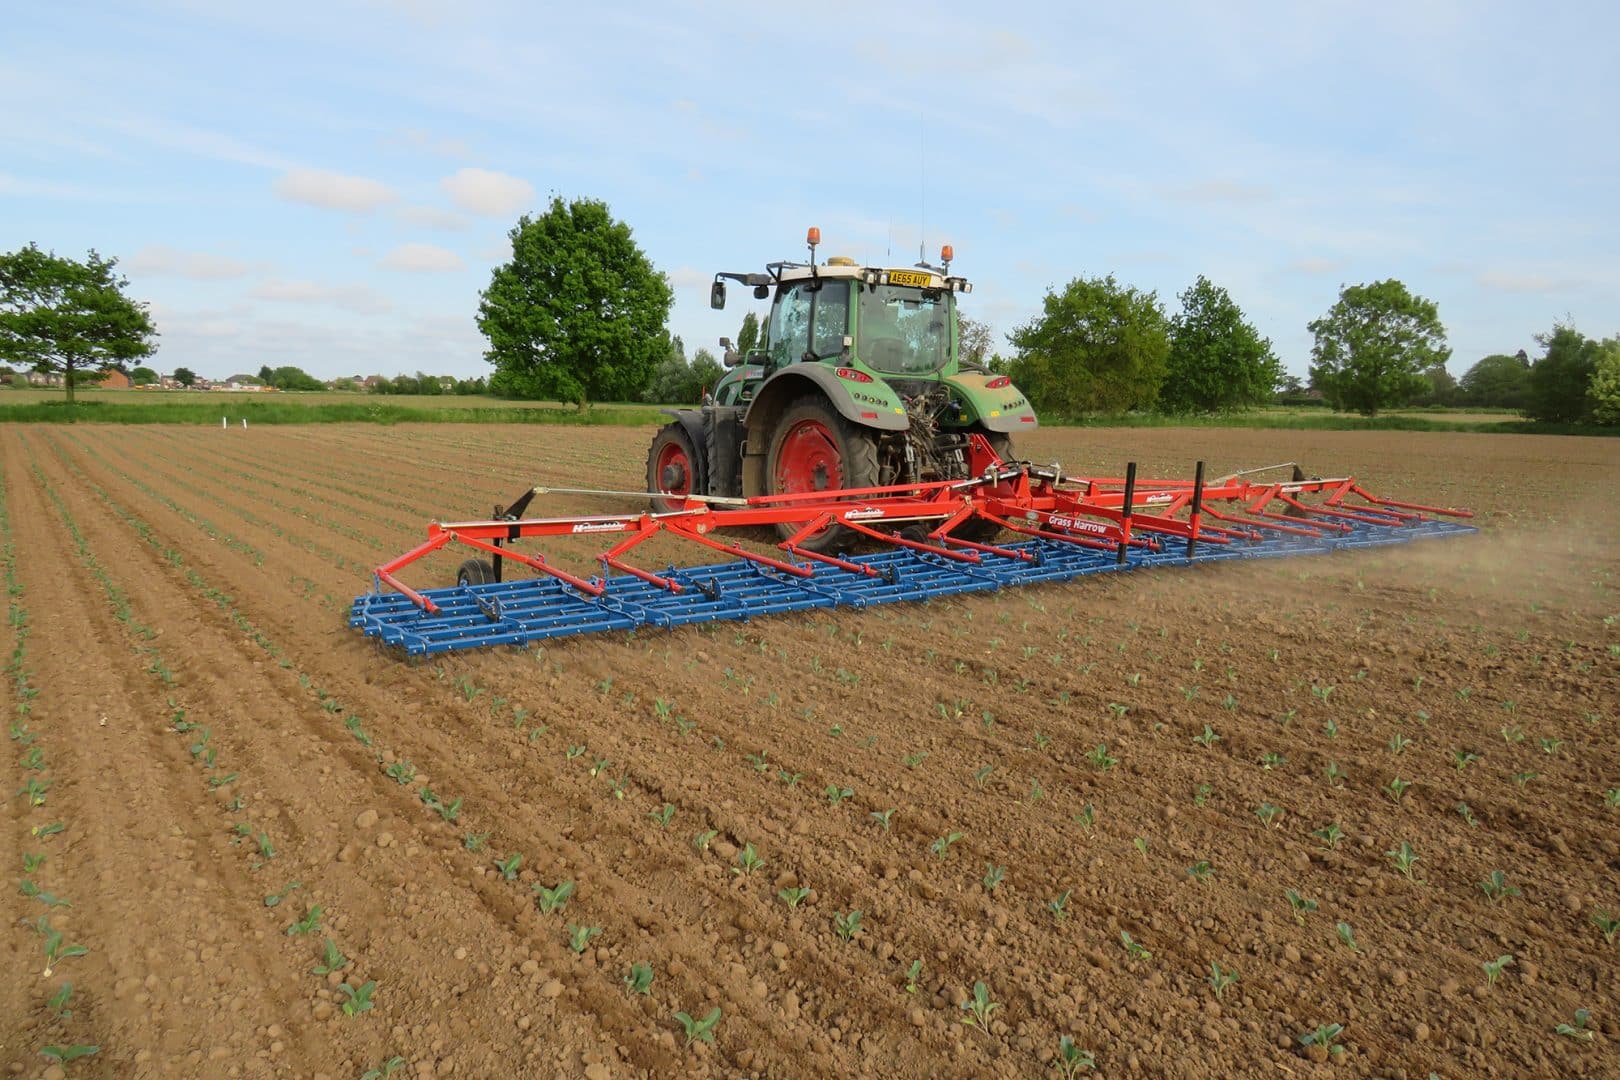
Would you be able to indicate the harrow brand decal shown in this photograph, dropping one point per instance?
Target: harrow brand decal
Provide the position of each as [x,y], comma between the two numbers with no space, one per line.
[601,526]
[1077,524]
[862,513]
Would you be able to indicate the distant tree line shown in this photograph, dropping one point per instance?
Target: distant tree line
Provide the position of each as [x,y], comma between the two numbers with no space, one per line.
[430,385]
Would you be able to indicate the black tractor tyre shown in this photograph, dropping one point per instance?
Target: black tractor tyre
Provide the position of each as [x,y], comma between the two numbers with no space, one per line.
[673,466]
[812,434]
[978,530]
[475,572]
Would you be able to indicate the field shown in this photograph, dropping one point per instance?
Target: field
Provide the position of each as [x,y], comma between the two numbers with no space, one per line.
[1182,818]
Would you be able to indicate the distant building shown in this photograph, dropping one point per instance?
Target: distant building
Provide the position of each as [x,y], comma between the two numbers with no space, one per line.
[113,379]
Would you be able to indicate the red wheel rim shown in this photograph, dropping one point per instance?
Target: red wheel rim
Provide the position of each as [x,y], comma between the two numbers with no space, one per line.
[809,460]
[672,456]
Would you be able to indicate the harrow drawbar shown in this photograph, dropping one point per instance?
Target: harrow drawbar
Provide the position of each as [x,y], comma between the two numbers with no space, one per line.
[1060,528]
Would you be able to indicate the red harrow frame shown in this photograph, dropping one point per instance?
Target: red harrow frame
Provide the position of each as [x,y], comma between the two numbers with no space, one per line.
[1065,527]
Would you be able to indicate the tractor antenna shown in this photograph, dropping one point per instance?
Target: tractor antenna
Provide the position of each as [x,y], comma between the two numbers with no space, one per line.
[922,149]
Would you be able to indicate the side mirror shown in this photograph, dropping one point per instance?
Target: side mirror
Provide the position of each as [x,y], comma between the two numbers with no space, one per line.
[717,295]
[762,292]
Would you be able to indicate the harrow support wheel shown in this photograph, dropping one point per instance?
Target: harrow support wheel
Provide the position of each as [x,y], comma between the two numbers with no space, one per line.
[475,572]
[673,468]
[978,530]
[815,449]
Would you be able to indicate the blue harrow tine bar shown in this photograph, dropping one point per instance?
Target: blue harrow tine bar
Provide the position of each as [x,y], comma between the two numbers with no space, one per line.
[536,609]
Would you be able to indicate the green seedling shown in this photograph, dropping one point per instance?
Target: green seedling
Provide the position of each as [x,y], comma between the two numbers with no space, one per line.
[1100,758]
[554,899]
[331,959]
[1330,728]
[573,752]
[699,1030]
[1495,887]
[619,787]
[35,790]
[1398,744]
[32,862]
[64,1054]
[1071,1060]
[1550,747]
[1299,905]
[941,847]
[1396,788]
[352,722]
[1404,858]
[1059,905]
[915,759]
[1201,870]
[221,781]
[1335,774]
[664,815]
[1133,948]
[1269,761]
[387,1068]
[981,774]
[790,779]
[663,709]
[1208,738]
[1524,778]
[847,926]
[703,839]
[1512,734]
[1042,741]
[1611,798]
[793,897]
[358,998]
[1202,793]
[1268,814]
[836,794]
[913,973]
[267,849]
[1330,835]
[1494,968]
[56,951]
[307,925]
[1219,980]
[1461,759]
[882,817]
[402,772]
[640,979]
[580,936]
[979,1007]
[748,860]
[1467,813]
[1036,792]
[1086,818]
[509,866]
[1347,937]
[1324,1037]
[1608,925]
[475,841]
[599,766]
[1577,1030]
[993,876]
[59,1000]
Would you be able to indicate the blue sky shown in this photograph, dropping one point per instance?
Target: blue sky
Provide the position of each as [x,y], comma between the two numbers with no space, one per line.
[329,185]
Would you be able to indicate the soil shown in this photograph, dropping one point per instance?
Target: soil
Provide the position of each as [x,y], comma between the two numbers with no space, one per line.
[185,578]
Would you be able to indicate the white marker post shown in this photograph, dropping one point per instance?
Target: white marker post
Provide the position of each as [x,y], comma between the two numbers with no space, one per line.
[222,424]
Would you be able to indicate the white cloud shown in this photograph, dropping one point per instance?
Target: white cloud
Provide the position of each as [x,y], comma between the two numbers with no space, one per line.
[485,192]
[333,191]
[1315,264]
[160,260]
[431,217]
[1517,283]
[441,145]
[357,298]
[422,258]
[687,277]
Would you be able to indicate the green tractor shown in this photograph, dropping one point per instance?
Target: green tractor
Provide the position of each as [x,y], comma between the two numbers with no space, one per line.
[857,385]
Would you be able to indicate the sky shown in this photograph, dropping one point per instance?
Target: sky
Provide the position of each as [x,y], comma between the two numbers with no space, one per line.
[330,185]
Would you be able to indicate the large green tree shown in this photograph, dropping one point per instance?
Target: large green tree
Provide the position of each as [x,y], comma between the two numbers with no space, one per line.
[1605,388]
[1097,346]
[60,315]
[972,341]
[1218,362]
[1559,381]
[1498,381]
[579,313]
[184,376]
[1373,345]
[748,336]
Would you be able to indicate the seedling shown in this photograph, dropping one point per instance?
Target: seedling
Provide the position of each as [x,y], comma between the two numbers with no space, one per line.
[307,925]
[331,960]
[1611,798]
[474,841]
[599,766]
[1577,1030]
[1100,758]
[1330,728]
[1524,778]
[664,815]
[1042,741]
[509,866]
[1461,759]
[913,973]
[1396,788]
[793,897]
[882,817]
[1335,774]
[266,848]
[847,926]
[979,1007]
[1268,814]
[1494,968]
[553,899]
[640,979]
[790,779]
[64,1054]
[1059,905]
[1324,1037]
[1347,937]
[748,860]
[1467,813]
[1201,794]
[836,794]
[981,774]
[1607,924]
[1495,887]
[402,772]
[1404,858]
[699,1030]
[358,997]
[1330,835]
[387,1068]
[993,876]
[580,936]
[913,760]
[1133,948]
[1201,870]
[59,1001]
[1071,1060]
[1269,761]
[1086,818]
[1550,747]
[573,752]
[1398,743]
[1219,980]
[941,847]
[703,839]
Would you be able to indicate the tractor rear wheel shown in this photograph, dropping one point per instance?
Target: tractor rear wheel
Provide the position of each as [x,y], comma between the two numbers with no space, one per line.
[978,530]
[475,572]
[672,468]
[816,449]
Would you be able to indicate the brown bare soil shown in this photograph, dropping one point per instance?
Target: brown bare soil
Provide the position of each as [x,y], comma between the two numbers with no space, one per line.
[186,700]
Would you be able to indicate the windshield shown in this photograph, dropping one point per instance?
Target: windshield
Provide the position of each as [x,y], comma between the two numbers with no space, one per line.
[904,331]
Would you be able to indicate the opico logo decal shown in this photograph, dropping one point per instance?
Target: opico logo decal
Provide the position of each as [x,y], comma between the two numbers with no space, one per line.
[601,526]
[1162,497]
[863,512]
[1077,524]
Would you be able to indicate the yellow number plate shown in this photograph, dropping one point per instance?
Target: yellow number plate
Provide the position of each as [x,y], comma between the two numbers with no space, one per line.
[909,277]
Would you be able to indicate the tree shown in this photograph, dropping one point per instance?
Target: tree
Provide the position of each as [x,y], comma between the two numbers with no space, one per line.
[579,312]
[1605,388]
[1440,388]
[1558,382]
[289,378]
[1498,381]
[706,371]
[1218,362]
[1097,346]
[675,382]
[1372,345]
[972,341]
[748,336]
[185,376]
[143,376]
[58,315]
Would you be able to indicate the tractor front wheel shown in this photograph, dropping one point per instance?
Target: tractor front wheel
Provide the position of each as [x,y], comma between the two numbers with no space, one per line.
[672,468]
[815,449]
